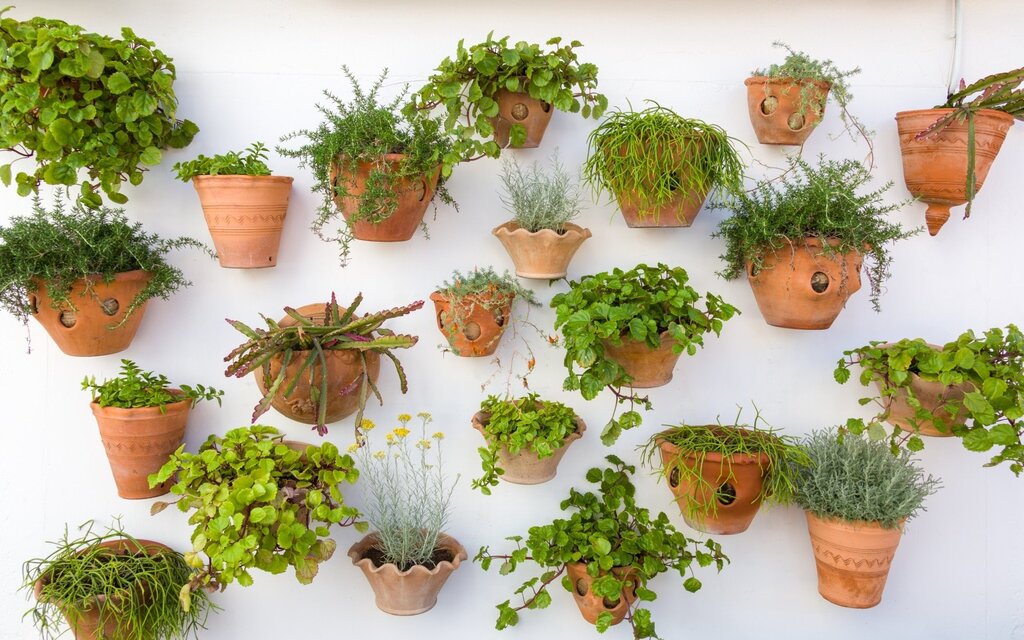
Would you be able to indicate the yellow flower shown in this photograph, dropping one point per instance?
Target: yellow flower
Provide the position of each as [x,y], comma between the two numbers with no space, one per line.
[367,424]
[401,432]
[438,435]
[423,444]
[390,438]
[404,417]
[352,448]
[425,416]
[379,455]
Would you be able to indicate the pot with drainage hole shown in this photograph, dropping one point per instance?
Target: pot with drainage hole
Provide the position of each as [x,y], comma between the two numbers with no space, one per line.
[474,323]
[515,108]
[592,605]
[785,110]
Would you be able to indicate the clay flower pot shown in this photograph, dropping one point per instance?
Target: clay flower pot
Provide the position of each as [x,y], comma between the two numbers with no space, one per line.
[245,215]
[932,395]
[740,478]
[803,287]
[410,592]
[775,108]
[474,326]
[343,369]
[525,467]
[680,211]
[544,254]
[591,606]
[89,330]
[139,441]
[648,367]
[935,168]
[853,559]
[414,194]
[520,108]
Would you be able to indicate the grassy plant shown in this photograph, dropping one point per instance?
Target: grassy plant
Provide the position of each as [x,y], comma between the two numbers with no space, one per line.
[251,162]
[540,199]
[135,388]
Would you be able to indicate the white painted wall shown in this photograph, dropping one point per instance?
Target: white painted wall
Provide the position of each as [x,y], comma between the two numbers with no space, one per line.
[253,69]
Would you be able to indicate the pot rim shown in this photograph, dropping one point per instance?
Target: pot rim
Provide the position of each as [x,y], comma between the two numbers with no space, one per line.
[851,525]
[149,546]
[512,228]
[941,111]
[787,80]
[97,278]
[356,553]
[231,177]
[481,418]
[761,458]
[171,407]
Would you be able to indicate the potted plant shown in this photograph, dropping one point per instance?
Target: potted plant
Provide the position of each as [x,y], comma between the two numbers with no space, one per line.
[854,532]
[506,92]
[243,204]
[660,166]
[802,238]
[606,553]
[258,502]
[142,421]
[109,585]
[74,101]
[319,363]
[473,309]
[526,439]
[970,388]
[628,328]
[540,239]
[85,275]
[408,557]
[948,150]
[378,169]
[721,474]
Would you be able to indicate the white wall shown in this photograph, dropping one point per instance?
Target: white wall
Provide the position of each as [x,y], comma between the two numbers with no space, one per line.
[252,70]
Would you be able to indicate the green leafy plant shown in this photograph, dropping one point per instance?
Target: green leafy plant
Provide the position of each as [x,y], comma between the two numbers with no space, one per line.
[990,367]
[654,155]
[307,341]
[820,201]
[129,587]
[640,304]
[251,162]
[538,199]
[134,388]
[257,503]
[75,101]
[607,530]
[526,423]
[465,88]
[481,287]
[852,478]
[365,132]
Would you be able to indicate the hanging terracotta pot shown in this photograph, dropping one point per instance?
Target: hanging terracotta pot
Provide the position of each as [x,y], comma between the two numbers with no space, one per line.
[801,286]
[780,113]
[139,441]
[544,254]
[520,108]
[591,605]
[525,467]
[647,367]
[409,592]
[473,324]
[414,195]
[733,483]
[91,329]
[935,167]
[245,215]
[932,395]
[344,367]
[853,559]
[680,211]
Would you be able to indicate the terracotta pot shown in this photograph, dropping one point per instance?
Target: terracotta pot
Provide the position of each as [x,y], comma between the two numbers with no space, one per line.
[932,395]
[853,559]
[88,331]
[520,108]
[775,107]
[802,287]
[343,367]
[648,367]
[591,606]
[740,476]
[525,467]
[935,168]
[90,623]
[139,441]
[245,215]
[410,592]
[544,254]
[475,325]
[680,211]
[413,197]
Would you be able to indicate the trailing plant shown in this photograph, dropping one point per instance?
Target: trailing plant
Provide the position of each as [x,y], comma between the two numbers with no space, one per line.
[654,155]
[481,287]
[605,530]
[518,424]
[539,199]
[852,478]
[72,101]
[134,388]
[991,369]
[364,132]
[257,502]
[824,202]
[640,304]
[307,341]
[251,162]
[132,589]
[408,493]
[465,89]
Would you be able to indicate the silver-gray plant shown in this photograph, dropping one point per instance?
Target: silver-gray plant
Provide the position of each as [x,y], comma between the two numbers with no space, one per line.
[540,199]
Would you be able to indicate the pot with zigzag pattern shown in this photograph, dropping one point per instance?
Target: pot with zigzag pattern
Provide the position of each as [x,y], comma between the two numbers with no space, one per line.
[245,215]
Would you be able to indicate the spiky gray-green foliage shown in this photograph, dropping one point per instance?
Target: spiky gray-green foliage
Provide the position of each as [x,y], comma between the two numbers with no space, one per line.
[852,478]
[540,199]
[251,162]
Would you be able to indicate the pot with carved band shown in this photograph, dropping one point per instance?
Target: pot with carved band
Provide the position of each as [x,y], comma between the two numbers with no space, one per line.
[245,215]
[852,559]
